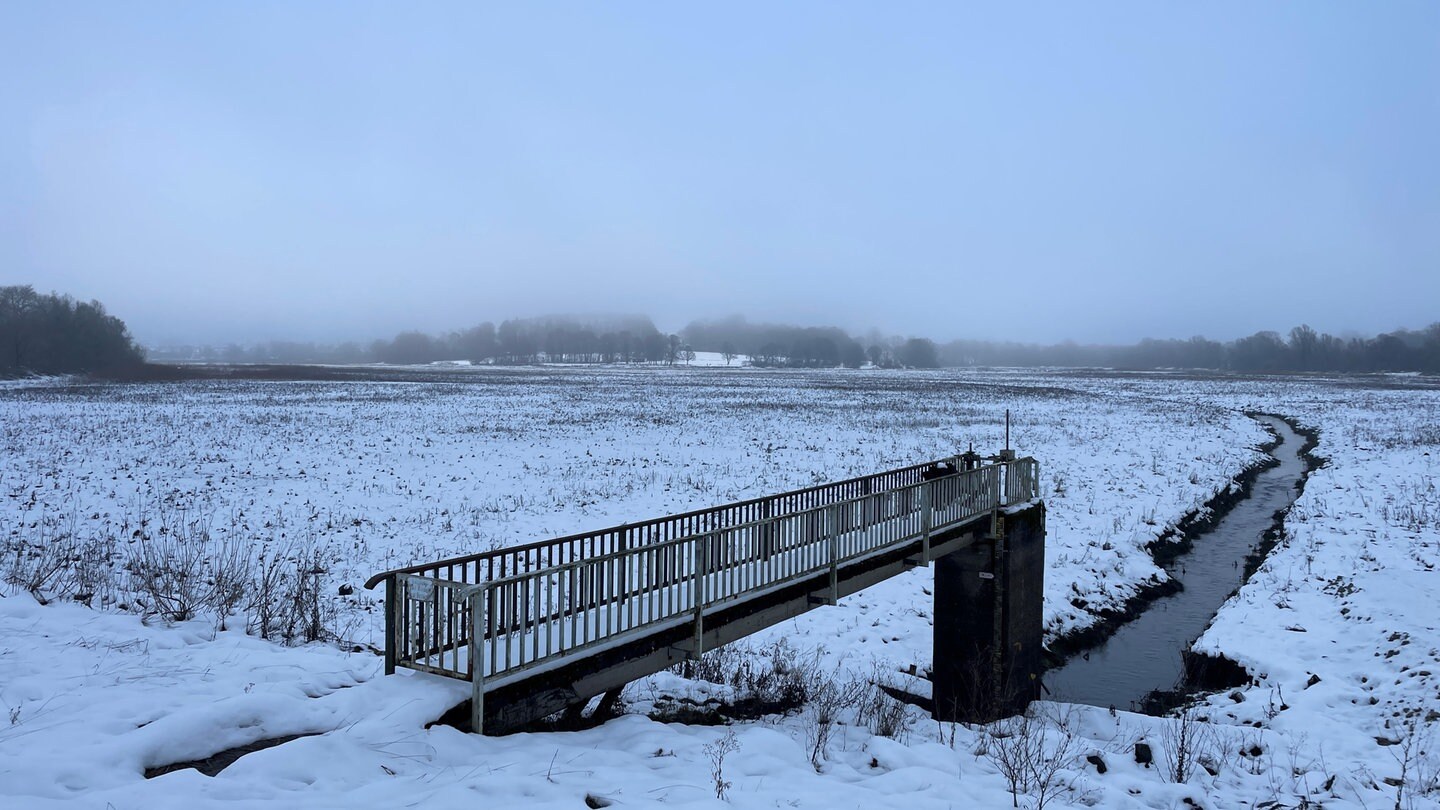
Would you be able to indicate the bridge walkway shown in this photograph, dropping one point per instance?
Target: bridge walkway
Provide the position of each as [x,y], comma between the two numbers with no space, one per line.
[541,627]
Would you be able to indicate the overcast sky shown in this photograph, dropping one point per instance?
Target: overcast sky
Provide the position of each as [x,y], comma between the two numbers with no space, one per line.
[220,172]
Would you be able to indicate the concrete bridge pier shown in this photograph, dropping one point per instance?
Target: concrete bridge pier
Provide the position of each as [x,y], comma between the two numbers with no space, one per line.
[988,621]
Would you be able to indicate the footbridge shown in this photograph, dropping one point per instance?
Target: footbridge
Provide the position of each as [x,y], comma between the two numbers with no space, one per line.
[542,628]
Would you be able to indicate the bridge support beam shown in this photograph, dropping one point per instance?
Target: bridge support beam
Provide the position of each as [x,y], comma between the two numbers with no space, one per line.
[988,621]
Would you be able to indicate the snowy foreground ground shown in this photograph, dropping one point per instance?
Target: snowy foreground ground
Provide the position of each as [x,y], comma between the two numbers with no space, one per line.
[368,476]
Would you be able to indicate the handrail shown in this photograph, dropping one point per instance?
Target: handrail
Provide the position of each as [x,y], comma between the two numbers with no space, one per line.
[627,528]
[623,584]
[673,541]
[543,613]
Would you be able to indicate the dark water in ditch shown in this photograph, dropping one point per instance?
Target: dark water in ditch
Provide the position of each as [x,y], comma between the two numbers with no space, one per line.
[1144,655]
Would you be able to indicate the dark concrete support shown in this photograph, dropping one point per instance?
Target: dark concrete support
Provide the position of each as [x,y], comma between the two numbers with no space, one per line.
[573,715]
[988,622]
[608,702]
[964,633]
[1024,600]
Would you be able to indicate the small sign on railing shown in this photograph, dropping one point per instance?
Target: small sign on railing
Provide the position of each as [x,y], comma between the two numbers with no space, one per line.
[421,589]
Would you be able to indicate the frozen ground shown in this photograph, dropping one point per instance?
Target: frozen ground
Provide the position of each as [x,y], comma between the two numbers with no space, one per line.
[380,474]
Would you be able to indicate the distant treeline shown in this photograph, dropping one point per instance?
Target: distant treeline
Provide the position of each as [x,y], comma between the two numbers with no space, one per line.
[635,339]
[55,334]
[1303,349]
[554,339]
[566,339]
[806,347]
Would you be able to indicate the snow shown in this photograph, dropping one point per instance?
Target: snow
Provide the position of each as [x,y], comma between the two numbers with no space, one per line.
[383,474]
[717,360]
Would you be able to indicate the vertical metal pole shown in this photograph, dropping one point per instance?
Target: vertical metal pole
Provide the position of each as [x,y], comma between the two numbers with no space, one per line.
[999,499]
[925,519]
[767,531]
[392,610]
[702,565]
[832,517]
[477,661]
[623,562]
[534,617]
[552,603]
[437,647]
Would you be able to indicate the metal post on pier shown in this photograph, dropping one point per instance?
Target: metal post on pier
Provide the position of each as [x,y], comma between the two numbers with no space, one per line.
[477,659]
[702,566]
[925,522]
[392,616]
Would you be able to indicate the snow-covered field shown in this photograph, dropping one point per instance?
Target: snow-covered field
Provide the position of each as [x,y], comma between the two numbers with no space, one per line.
[1341,625]
[372,475]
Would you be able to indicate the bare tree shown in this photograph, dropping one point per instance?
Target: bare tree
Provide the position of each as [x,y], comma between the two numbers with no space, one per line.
[1185,741]
[828,697]
[918,353]
[1419,772]
[717,751]
[1034,751]
[1303,346]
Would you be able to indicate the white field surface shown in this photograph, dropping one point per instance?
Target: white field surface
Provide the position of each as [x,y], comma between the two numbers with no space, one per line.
[378,475]
[1341,625]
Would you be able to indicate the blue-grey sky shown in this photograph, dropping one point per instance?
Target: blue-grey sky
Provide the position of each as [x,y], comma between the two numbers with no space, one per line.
[220,172]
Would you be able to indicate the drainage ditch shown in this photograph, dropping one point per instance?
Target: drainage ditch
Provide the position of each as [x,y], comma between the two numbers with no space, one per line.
[1143,665]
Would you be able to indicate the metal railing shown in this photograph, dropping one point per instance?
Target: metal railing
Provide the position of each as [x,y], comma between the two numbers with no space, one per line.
[512,560]
[493,617]
[1022,480]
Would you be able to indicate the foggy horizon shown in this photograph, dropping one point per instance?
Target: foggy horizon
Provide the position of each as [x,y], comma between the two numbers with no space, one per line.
[330,173]
[677,325]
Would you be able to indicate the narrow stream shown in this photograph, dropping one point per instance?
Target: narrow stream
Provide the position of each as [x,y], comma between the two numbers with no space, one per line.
[1145,654]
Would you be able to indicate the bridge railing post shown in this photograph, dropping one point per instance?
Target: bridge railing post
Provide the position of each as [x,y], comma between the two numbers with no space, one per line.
[767,530]
[392,622]
[622,545]
[997,498]
[476,598]
[832,515]
[926,519]
[701,552]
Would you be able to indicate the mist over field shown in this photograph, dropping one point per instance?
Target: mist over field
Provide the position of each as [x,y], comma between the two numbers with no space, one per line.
[1102,174]
[651,405]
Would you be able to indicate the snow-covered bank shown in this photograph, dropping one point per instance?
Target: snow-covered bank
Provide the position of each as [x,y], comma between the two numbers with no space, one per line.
[384,473]
[122,697]
[1340,626]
